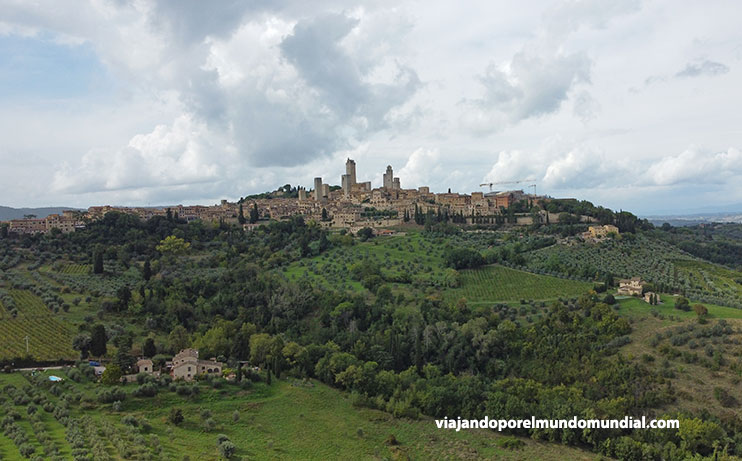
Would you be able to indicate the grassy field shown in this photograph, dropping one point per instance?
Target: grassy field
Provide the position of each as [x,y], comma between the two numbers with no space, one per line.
[49,337]
[284,421]
[502,284]
[635,307]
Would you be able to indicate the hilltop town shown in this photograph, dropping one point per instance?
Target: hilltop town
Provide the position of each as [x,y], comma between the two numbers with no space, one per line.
[353,205]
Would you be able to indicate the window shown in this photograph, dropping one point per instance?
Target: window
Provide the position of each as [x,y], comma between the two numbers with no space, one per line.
[189,369]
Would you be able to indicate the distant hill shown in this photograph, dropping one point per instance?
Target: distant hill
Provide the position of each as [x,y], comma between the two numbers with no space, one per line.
[7,213]
[694,219]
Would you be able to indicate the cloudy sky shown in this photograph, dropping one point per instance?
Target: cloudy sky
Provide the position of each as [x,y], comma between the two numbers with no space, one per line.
[631,104]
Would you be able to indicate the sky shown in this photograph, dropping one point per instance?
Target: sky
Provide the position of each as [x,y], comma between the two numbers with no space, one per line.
[633,105]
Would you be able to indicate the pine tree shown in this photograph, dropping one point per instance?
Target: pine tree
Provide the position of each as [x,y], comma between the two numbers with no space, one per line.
[254,214]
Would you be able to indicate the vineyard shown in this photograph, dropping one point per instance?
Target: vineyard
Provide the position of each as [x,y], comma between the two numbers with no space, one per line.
[499,283]
[49,338]
[75,269]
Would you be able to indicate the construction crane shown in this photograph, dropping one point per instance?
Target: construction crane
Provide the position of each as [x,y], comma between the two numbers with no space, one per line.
[490,184]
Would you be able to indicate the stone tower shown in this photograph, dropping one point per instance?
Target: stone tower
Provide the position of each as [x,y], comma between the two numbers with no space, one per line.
[389,178]
[318,189]
[350,170]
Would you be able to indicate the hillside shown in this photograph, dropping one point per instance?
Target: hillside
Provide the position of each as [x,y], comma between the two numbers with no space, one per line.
[428,322]
[286,420]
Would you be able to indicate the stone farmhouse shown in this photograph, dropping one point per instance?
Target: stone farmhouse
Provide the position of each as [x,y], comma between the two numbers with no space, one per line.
[186,365]
[630,287]
[602,231]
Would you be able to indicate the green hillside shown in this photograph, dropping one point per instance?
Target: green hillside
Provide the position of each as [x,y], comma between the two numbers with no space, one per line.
[287,420]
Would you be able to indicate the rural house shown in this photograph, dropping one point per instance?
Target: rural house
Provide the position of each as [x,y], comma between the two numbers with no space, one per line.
[186,365]
[630,287]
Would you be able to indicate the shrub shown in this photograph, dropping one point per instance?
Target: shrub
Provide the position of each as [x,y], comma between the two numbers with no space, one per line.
[146,390]
[227,449]
[209,424]
[26,450]
[111,395]
[510,443]
[176,416]
[130,420]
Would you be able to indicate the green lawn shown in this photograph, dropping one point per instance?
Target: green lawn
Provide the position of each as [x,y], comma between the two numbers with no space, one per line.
[502,284]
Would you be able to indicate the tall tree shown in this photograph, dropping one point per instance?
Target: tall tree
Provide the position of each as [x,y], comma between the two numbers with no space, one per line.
[98,261]
[147,270]
[81,343]
[254,214]
[124,296]
[241,216]
[98,341]
[179,339]
[149,349]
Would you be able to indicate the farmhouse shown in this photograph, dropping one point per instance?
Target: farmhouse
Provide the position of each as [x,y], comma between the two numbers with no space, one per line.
[602,231]
[630,287]
[186,365]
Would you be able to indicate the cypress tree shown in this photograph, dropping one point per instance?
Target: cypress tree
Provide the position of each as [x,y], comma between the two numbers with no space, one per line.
[98,341]
[98,261]
[147,270]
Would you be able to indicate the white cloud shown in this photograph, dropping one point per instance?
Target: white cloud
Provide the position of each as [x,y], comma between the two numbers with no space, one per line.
[207,102]
[557,164]
[697,166]
[169,156]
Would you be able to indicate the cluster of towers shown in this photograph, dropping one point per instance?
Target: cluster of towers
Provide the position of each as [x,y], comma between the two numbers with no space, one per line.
[390,182]
[349,178]
[349,183]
